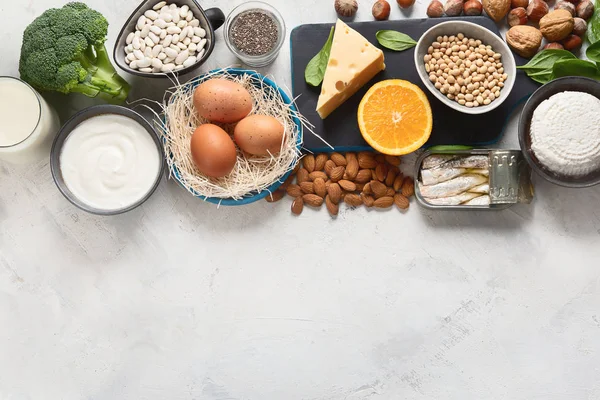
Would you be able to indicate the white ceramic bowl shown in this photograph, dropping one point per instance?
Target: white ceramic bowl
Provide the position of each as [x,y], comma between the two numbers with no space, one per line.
[473,31]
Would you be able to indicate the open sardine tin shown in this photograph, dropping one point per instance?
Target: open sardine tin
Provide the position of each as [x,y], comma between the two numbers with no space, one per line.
[509,178]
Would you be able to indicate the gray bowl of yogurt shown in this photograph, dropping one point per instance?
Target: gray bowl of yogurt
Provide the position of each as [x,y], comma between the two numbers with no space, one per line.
[559,132]
[107,160]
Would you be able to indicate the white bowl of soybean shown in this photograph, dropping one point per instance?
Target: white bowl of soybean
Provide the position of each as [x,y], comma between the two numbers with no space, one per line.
[471,31]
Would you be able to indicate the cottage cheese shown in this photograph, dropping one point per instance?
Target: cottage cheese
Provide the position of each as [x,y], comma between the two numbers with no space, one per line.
[565,133]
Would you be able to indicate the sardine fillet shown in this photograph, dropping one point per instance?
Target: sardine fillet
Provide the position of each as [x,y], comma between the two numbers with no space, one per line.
[483,189]
[468,162]
[438,175]
[452,187]
[435,160]
[452,201]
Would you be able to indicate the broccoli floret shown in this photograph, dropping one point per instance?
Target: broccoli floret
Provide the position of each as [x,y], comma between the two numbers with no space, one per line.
[64,51]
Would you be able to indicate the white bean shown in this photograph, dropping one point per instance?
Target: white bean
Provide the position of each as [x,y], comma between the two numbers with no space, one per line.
[174,47]
[166,17]
[163,34]
[190,16]
[184,10]
[156,63]
[172,6]
[142,45]
[182,46]
[190,32]
[167,41]
[133,64]
[145,31]
[129,49]
[130,37]
[182,57]
[145,62]
[202,43]
[148,52]
[136,43]
[155,29]
[173,29]
[156,70]
[187,41]
[131,57]
[141,22]
[171,53]
[162,56]
[154,38]
[127,61]
[156,50]
[151,14]
[161,23]
[177,68]
[146,69]
[184,31]
[168,67]
[176,17]
[170,24]
[196,39]
[199,32]
[176,38]
[182,24]
[138,54]
[165,8]
[200,54]
[168,60]
[160,5]
[149,42]
[192,47]
[195,23]
[189,62]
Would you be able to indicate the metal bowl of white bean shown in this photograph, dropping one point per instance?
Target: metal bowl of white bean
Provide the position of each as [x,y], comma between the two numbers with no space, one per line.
[162,38]
[465,66]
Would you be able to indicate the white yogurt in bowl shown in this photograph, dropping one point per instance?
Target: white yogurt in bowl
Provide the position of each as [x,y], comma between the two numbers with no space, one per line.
[107,163]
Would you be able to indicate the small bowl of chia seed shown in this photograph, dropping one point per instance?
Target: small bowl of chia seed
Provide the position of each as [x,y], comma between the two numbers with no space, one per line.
[255,32]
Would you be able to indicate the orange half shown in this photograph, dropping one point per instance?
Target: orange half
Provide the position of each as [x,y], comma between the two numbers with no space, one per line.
[395,117]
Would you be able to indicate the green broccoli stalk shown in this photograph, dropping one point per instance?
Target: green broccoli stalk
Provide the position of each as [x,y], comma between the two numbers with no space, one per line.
[64,51]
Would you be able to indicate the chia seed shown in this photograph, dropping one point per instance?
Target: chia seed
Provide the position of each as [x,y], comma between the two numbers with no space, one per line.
[254,33]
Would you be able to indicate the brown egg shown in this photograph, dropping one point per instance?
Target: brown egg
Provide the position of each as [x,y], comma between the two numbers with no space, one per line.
[213,151]
[260,135]
[220,100]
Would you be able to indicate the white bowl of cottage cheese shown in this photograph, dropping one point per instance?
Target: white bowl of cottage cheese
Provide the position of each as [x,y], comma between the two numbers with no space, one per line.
[559,131]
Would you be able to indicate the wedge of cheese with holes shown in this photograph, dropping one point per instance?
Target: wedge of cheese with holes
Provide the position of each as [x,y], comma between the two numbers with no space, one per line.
[353,62]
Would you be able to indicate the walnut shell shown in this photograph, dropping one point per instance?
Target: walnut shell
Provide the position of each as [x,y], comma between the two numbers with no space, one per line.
[557,25]
[525,40]
[496,9]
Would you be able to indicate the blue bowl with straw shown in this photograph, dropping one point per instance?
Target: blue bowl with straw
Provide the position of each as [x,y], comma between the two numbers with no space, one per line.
[257,80]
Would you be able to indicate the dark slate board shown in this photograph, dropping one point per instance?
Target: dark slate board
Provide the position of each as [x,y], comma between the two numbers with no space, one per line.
[340,129]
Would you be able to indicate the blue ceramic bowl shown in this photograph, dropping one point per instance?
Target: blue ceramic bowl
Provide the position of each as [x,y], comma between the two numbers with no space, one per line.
[252,196]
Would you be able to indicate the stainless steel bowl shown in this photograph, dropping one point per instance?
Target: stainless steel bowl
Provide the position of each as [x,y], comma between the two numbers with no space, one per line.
[573,83]
[66,131]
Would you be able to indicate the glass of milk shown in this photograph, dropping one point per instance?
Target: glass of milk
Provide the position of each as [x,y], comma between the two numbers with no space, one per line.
[28,124]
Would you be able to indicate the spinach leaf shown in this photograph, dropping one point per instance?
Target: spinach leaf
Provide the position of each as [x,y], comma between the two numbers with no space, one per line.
[593,52]
[539,68]
[315,69]
[395,40]
[575,68]
[593,32]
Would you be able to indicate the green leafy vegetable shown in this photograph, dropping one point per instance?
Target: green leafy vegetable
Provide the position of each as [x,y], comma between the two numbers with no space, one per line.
[593,31]
[395,40]
[593,52]
[449,147]
[540,67]
[315,70]
[575,68]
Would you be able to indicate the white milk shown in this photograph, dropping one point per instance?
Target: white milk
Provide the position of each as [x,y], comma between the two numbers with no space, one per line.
[28,124]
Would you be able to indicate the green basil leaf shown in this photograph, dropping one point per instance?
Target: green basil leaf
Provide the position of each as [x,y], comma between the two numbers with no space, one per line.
[315,69]
[593,31]
[545,59]
[575,68]
[395,40]
[593,52]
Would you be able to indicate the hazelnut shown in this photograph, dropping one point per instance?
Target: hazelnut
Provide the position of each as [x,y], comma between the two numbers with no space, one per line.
[517,16]
[585,9]
[346,8]
[525,40]
[565,5]
[553,46]
[580,27]
[571,42]
[496,9]
[536,10]
[472,7]
[453,7]
[519,3]
[435,9]
[405,3]
[381,10]
[556,25]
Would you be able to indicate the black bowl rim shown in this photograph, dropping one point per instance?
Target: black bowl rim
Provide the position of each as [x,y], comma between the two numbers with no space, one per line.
[66,130]
[183,71]
[541,94]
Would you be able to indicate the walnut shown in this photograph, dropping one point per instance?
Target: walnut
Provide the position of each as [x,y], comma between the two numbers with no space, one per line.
[557,25]
[525,40]
[496,9]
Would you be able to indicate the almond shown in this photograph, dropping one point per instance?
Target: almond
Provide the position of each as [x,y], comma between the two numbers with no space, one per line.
[294,191]
[307,187]
[359,187]
[393,160]
[373,174]
[329,166]
[350,156]
[367,188]
[384,202]
[352,165]
[338,159]
[380,158]
[401,201]
[398,182]
[363,176]
[275,196]
[334,192]
[347,185]
[312,200]
[337,173]
[320,161]
[319,187]
[302,176]
[368,200]
[381,171]
[408,187]
[297,206]
[317,174]
[390,192]
[378,188]
[391,177]
[353,200]
[366,160]
[332,207]
[309,162]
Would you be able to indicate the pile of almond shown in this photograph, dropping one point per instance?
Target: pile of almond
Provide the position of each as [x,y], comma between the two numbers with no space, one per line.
[366,178]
